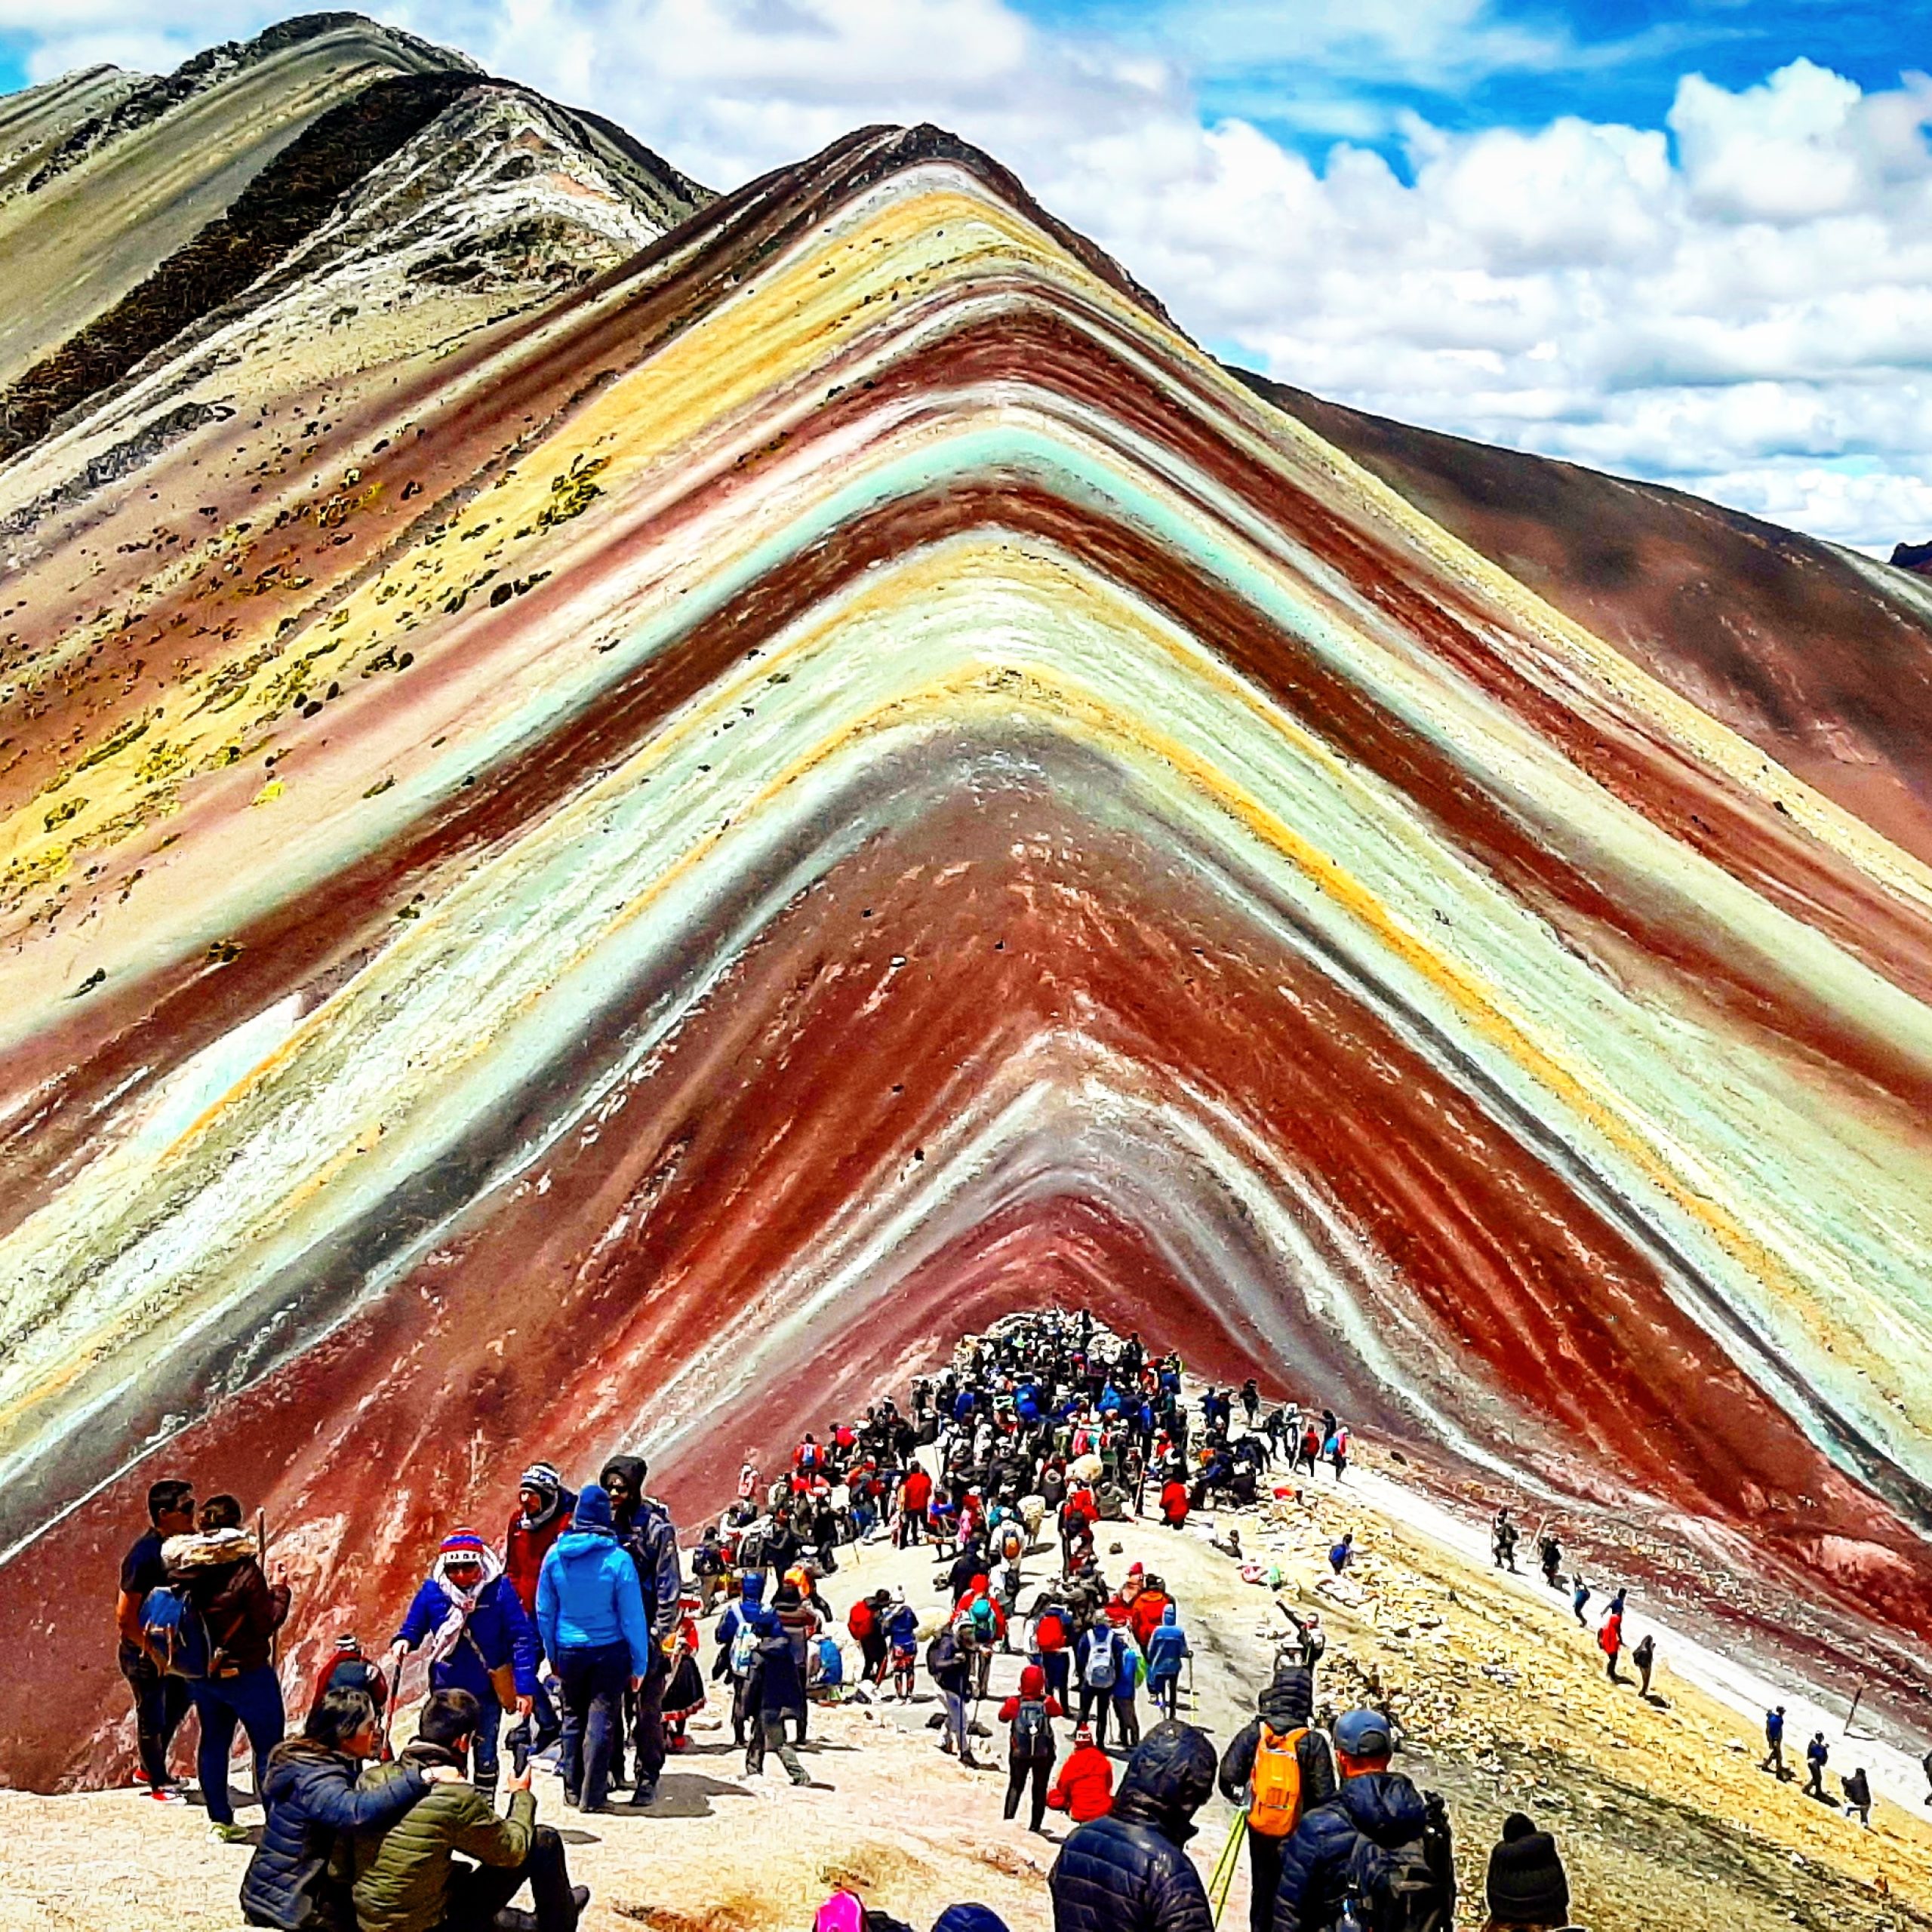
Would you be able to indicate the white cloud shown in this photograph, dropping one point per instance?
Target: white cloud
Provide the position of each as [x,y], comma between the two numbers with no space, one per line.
[1740,303]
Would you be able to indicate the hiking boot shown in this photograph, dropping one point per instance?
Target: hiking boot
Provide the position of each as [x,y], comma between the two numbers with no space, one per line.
[229,1833]
[801,1775]
[646,1793]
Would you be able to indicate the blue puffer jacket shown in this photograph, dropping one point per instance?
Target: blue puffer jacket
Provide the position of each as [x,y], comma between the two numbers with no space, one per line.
[588,1595]
[1167,1647]
[498,1633]
[310,1796]
[1128,1872]
[1383,1807]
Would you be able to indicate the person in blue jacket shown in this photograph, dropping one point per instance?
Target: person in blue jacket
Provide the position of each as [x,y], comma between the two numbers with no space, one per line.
[467,1614]
[1167,1651]
[590,1620]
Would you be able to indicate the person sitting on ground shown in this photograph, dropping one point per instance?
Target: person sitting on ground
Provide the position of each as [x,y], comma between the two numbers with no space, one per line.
[1130,1871]
[1030,1743]
[1528,1890]
[1376,1836]
[160,1697]
[311,1798]
[1084,1789]
[218,1572]
[468,1617]
[406,1880]
[1276,1786]
[1343,1553]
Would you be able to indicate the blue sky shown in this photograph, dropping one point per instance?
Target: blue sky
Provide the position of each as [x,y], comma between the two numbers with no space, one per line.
[1689,240]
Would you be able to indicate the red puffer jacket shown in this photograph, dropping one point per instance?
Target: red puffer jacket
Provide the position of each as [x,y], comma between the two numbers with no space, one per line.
[1084,1789]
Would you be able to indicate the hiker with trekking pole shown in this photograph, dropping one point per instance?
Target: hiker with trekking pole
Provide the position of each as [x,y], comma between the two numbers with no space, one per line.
[1276,1769]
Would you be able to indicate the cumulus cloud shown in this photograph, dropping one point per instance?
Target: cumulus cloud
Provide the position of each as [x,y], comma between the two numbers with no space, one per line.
[1739,303]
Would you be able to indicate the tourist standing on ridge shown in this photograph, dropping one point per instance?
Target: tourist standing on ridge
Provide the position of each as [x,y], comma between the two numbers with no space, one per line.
[218,1575]
[645,1530]
[1528,1890]
[1549,1554]
[1277,1769]
[1030,1752]
[1645,1656]
[590,1621]
[478,1640]
[1502,1540]
[160,1697]
[1578,1599]
[1774,1743]
[406,1879]
[310,1798]
[541,1514]
[1817,1755]
[1610,1638]
[1377,1839]
[1129,1872]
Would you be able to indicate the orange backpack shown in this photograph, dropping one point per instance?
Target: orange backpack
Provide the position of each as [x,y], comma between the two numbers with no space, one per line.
[1274,1805]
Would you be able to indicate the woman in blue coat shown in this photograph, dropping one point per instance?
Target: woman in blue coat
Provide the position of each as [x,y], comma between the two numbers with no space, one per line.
[1167,1651]
[470,1620]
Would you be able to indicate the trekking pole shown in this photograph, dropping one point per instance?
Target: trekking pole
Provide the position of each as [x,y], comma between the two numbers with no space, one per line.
[1222,1883]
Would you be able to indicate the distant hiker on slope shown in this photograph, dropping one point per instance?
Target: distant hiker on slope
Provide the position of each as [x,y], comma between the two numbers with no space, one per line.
[1858,1797]
[1578,1599]
[1502,1535]
[1549,1554]
[1610,1640]
[1342,1553]
[1129,1872]
[1645,1656]
[161,1696]
[1774,1743]
[1817,1755]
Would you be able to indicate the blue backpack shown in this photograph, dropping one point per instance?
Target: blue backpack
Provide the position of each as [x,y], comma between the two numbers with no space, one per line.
[176,1631]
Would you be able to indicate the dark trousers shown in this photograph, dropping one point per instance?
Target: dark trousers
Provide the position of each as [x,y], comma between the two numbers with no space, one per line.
[254,1699]
[1094,1705]
[644,1722]
[160,1702]
[1053,1662]
[1126,1722]
[595,1679]
[768,1730]
[1165,1692]
[478,1892]
[872,1645]
[1040,1770]
[1264,1871]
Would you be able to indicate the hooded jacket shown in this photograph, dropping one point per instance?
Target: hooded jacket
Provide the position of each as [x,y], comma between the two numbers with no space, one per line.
[1527,1885]
[1165,1645]
[1033,1690]
[309,1796]
[402,1879]
[1128,1872]
[651,1540]
[1084,1789]
[496,1633]
[1288,1704]
[587,1594]
[1382,1806]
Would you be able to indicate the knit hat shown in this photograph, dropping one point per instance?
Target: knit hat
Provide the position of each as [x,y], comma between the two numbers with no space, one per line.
[593,1510]
[467,1541]
[542,1477]
[347,1645]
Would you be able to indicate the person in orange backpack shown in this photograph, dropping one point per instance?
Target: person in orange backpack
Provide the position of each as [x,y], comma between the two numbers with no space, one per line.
[1277,1768]
[1084,1789]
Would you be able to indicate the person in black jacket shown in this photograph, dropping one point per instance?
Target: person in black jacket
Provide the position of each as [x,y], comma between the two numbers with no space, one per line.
[1527,1885]
[644,1528]
[1287,1705]
[1376,1811]
[310,1796]
[1129,1872]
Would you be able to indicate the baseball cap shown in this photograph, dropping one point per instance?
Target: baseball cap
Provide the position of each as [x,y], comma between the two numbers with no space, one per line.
[1363,1733]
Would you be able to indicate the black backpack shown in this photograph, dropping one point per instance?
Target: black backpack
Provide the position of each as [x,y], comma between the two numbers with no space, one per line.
[941,1654]
[1032,1733]
[1408,1887]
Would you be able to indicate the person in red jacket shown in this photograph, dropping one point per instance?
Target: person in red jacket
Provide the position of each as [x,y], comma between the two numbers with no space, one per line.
[1030,1749]
[1084,1789]
[541,1514]
[1173,1503]
[1150,1607]
[915,1495]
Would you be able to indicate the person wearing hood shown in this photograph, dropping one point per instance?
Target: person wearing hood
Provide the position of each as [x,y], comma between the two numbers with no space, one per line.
[217,1572]
[777,1689]
[471,1623]
[1130,1871]
[1030,1743]
[1166,1650]
[1084,1789]
[309,1797]
[902,1636]
[1528,1890]
[1283,1714]
[541,1514]
[1376,1818]
[590,1620]
[644,1529]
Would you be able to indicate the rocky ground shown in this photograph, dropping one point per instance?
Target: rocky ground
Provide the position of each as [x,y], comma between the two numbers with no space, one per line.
[1664,1818]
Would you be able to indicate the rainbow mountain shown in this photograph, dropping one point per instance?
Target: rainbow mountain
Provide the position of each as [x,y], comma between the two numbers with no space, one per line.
[626,810]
